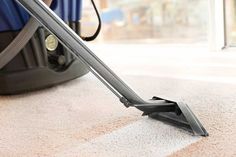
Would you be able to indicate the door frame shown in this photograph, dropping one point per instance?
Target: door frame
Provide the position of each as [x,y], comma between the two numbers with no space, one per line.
[217,25]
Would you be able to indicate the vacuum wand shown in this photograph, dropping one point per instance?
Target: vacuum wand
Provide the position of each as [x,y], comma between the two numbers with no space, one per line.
[74,43]
[172,112]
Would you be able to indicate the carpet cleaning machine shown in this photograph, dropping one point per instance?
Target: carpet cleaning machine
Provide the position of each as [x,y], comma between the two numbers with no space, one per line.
[41,46]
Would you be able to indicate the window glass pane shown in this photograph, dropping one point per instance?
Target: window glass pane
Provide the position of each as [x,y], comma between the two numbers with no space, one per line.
[153,20]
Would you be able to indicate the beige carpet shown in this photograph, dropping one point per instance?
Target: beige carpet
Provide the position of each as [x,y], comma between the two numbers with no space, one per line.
[84,115]
[56,120]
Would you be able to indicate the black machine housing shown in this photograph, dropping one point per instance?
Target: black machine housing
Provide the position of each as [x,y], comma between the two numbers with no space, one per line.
[36,67]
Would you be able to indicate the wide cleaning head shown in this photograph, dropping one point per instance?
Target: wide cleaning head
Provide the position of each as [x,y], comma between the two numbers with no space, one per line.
[176,114]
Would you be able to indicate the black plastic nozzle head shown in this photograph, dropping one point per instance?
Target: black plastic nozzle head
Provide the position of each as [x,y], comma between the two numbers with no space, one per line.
[185,120]
[176,114]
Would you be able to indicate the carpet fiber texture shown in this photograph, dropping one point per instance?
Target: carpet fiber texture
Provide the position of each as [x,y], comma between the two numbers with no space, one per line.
[82,116]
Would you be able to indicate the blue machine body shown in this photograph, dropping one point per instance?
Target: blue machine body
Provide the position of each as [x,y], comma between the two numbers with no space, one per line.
[13,17]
